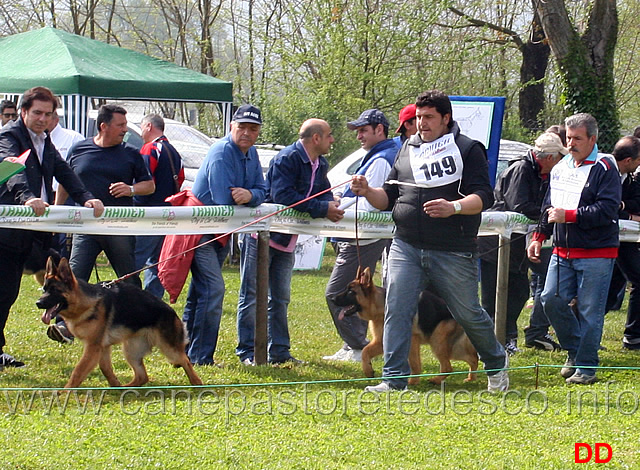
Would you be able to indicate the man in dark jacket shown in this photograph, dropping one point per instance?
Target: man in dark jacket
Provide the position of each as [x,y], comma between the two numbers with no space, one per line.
[437,188]
[31,187]
[165,166]
[520,188]
[296,173]
[627,268]
[581,211]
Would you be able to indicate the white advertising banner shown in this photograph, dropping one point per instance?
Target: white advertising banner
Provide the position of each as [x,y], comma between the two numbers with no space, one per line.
[223,219]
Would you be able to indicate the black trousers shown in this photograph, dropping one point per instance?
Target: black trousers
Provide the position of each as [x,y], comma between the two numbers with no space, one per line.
[627,268]
[11,264]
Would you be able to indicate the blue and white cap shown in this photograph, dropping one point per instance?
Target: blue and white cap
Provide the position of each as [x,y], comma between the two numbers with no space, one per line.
[247,113]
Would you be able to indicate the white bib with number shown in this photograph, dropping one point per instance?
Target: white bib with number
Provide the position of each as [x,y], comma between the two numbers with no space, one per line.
[567,183]
[436,163]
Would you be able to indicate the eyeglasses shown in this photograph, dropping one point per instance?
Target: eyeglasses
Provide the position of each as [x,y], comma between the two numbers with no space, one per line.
[10,115]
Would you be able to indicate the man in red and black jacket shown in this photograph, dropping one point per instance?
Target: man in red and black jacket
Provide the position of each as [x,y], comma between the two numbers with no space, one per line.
[165,166]
[581,211]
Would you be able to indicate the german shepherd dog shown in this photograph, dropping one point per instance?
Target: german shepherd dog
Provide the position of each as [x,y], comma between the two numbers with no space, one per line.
[433,325]
[102,316]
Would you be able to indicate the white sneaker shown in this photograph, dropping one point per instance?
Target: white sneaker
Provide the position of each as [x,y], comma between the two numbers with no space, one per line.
[340,355]
[383,387]
[354,355]
[499,382]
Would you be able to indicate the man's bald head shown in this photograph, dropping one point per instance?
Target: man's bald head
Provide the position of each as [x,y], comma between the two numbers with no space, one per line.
[313,126]
[316,136]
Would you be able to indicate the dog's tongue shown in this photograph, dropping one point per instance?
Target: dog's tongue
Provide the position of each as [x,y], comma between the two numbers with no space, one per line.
[48,315]
[342,312]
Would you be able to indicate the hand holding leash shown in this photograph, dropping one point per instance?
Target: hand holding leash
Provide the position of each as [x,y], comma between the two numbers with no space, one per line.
[557,215]
[334,213]
[533,251]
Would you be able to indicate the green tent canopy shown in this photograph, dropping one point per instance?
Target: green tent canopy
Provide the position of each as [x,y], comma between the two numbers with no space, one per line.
[69,64]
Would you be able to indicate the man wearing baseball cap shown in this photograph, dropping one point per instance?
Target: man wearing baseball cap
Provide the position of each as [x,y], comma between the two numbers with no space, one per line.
[407,127]
[230,174]
[521,188]
[372,129]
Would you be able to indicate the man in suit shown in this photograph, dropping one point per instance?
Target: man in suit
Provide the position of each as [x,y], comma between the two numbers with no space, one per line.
[33,188]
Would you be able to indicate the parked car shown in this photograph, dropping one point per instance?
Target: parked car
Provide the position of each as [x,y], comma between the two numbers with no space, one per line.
[343,170]
[510,149]
[266,153]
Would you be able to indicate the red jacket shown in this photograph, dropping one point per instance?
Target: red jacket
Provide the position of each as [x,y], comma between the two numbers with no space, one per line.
[173,274]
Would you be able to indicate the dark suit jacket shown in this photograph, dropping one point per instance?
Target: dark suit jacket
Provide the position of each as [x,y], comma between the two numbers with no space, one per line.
[14,140]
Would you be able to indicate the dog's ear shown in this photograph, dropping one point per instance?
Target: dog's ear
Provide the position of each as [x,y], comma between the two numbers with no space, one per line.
[365,277]
[52,266]
[65,274]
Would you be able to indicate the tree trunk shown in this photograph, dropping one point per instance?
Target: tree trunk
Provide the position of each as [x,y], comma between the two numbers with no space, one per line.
[535,58]
[586,62]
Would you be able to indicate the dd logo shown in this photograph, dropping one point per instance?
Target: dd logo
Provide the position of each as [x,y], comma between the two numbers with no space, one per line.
[590,452]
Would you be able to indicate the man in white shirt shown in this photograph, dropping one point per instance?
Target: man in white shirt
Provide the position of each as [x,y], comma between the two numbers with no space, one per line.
[372,129]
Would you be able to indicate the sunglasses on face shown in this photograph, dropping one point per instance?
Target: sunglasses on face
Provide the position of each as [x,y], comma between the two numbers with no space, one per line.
[10,115]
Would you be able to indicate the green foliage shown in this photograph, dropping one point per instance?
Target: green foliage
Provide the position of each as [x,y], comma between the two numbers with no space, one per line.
[588,91]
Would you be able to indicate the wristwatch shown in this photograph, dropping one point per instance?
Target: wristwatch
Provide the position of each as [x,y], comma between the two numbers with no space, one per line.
[457,207]
[133,191]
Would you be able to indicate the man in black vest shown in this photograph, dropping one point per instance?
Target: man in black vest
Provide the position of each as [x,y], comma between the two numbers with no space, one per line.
[437,188]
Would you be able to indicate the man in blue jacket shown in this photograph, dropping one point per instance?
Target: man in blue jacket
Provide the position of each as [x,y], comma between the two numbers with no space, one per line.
[297,172]
[230,174]
[581,211]
[372,130]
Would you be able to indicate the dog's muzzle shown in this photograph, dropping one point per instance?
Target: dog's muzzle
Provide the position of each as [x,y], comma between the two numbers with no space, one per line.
[50,312]
[348,311]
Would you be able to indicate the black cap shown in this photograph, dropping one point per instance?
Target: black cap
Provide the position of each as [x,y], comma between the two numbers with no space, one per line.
[247,113]
[370,116]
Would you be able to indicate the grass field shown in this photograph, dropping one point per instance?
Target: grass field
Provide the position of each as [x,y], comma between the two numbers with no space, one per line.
[313,416]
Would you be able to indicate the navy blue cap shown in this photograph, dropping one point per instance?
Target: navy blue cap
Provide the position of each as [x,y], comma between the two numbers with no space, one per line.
[247,113]
[370,116]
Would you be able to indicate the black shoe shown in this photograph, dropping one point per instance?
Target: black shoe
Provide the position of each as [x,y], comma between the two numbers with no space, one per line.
[631,346]
[59,332]
[6,360]
[511,346]
[289,360]
[545,343]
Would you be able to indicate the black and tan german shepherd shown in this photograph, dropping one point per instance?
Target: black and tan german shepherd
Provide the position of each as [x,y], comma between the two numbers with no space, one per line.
[433,325]
[103,316]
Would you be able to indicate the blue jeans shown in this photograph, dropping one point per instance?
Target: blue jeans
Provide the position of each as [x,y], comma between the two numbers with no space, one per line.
[588,281]
[147,253]
[118,248]
[453,276]
[203,310]
[280,270]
